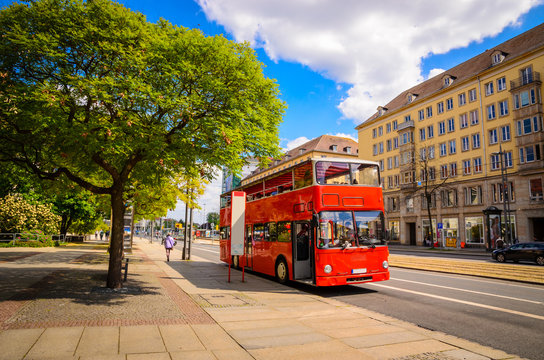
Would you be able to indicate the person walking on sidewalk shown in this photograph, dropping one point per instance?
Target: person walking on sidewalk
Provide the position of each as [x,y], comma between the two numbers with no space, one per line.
[169,243]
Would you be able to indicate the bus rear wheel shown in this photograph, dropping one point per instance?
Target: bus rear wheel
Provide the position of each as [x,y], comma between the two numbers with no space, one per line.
[282,274]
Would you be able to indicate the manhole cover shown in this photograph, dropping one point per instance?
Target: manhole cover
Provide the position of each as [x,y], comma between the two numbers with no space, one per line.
[224,300]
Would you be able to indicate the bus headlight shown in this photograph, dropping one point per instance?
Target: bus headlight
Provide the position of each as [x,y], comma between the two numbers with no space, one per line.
[385,264]
[327,269]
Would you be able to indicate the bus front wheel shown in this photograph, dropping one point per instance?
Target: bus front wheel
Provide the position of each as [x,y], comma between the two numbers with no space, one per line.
[282,273]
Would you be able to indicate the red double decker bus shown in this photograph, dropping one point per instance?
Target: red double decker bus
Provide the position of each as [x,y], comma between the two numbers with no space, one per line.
[319,222]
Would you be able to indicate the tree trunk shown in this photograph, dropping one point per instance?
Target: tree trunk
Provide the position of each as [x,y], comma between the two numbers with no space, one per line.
[116,240]
[428,198]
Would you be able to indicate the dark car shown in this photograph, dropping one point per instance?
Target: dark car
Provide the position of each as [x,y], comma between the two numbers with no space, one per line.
[521,252]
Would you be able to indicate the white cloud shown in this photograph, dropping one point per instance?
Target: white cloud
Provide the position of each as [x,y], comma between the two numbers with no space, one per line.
[376,46]
[296,142]
[435,72]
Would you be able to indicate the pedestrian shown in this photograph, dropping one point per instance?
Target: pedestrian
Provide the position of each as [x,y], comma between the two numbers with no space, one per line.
[169,243]
[96,235]
[107,235]
[101,234]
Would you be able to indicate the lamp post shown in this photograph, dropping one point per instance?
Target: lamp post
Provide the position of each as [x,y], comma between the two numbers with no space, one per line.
[505,194]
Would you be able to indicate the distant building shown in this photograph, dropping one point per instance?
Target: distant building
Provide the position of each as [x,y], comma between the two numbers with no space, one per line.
[453,129]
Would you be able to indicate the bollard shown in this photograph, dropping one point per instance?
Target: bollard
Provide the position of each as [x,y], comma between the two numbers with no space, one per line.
[126,269]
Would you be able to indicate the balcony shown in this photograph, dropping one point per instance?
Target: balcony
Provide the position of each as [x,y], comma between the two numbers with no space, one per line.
[405,125]
[530,139]
[525,80]
[527,111]
[530,167]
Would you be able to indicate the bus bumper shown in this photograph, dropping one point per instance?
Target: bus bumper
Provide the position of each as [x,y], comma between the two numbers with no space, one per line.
[351,279]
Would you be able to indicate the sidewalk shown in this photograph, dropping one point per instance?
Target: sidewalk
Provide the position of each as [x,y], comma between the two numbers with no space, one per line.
[53,306]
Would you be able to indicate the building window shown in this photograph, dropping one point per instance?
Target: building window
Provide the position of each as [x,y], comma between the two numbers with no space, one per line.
[451,125]
[389,163]
[429,111]
[425,203]
[463,122]
[394,124]
[375,149]
[407,118]
[443,171]
[527,126]
[488,88]
[472,95]
[431,173]
[449,104]
[495,162]
[441,128]
[431,151]
[452,146]
[465,143]
[421,114]
[381,165]
[525,98]
[381,147]
[473,195]
[526,75]
[347,149]
[453,169]
[529,153]
[396,158]
[501,84]
[477,165]
[491,112]
[503,108]
[380,131]
[493,138]
[462,99]
[508,159]
[535,188]
[440,107]
[498,193]
[396,143]
[449,197]
[466,167]
[474,230]
[505,133]
[374,133]
[423,154]
[394,204]
[443,149]
[388,145]
[430,131]
[421,134]
[410,204]
[388,128]
[476,141]
[474,117]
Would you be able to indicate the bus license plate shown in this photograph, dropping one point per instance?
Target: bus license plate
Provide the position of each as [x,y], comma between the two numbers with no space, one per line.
[358,271]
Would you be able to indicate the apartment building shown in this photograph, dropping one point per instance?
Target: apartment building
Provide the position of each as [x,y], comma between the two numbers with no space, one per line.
[465,141]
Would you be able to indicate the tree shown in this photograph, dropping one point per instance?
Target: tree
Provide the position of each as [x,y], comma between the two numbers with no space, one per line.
[213,218]
[18,215]
[430,186]
[94,93]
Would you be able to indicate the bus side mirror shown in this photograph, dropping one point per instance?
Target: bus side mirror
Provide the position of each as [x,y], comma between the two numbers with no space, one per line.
[315,220]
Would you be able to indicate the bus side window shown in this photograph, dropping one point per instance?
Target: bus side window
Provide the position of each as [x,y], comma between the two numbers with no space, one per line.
[272,234]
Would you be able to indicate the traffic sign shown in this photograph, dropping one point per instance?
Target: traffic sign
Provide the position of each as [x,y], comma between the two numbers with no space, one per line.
[439,226]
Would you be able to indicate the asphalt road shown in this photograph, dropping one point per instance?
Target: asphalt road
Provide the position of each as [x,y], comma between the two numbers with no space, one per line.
[501,314]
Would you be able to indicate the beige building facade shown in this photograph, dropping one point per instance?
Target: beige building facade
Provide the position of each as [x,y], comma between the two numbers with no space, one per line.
[440,146]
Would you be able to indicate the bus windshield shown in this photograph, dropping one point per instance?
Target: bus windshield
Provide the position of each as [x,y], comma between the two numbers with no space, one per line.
[333,172]
[336,229]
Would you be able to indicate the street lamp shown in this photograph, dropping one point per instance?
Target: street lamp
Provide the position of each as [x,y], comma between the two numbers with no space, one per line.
[505,194]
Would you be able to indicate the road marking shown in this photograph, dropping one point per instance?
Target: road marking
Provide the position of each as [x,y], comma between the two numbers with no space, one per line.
[469,278]
[538,317]
[469,291]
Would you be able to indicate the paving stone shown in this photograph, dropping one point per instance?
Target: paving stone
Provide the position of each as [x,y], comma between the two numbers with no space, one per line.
[194,355]
[180,338]
[98,341]
[56,343]
[463,354]
[213,337]
[326,350]
[149,356]
[359,342]
[140,339]
[393,351]
[16,343]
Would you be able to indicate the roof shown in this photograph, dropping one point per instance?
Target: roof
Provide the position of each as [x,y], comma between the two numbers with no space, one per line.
[513,48]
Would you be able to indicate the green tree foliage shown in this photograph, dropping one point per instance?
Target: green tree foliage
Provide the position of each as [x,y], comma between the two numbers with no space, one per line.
[213,217]
[78,210]
[18,215]
[91,91]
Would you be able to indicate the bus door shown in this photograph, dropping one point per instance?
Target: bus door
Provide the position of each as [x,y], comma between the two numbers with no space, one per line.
[249,247]
[302,265]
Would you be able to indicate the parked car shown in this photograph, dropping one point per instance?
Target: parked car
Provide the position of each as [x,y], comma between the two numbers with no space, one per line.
[521,252]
